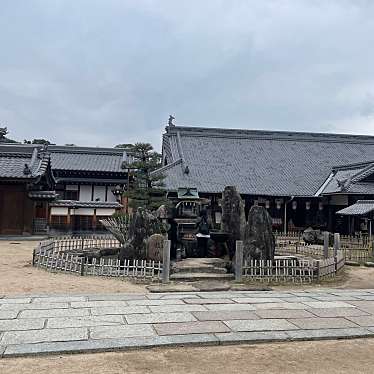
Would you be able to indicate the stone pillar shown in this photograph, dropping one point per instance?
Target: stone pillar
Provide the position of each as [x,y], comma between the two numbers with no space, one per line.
[239,261]
[166,262]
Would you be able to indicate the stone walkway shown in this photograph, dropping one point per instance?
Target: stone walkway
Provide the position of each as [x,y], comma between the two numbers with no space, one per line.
[61,324]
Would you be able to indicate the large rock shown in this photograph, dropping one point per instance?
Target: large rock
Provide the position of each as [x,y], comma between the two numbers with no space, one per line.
[233,216]
[312,236]
[259,240]
[155,245]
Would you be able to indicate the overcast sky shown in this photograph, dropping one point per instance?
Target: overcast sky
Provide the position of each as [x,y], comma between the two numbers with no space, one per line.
[101,72]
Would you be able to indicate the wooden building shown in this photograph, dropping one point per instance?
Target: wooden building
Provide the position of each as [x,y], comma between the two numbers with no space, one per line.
[302,179]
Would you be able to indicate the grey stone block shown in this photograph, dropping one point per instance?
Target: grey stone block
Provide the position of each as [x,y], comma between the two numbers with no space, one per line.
[119,310]
[25,300]
[21,324]
[338,312]
[8,314]
[59,299]
[177,308]
[190,328]
[85,321]
[208,301]
[35,306]
[257,300]
[105,345]
[297,299]
[160,317]
[252,337]
[365,298]
[177,295]
[48,313]
[337,298]
[261,325]
[228,307]
[116,297]
[363,320]
[284,313]
[45,335]
[156,302]
[225,315]
[280,306]
[328,304]
[115,332]
[322,323]
[321,334]
[99,304]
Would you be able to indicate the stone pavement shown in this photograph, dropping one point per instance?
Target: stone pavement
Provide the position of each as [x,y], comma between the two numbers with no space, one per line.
[42,324]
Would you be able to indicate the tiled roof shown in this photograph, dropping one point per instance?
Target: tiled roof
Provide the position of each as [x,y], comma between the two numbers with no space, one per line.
[22,162]
[257,162]
[361,207]
[87,159]
[86,204]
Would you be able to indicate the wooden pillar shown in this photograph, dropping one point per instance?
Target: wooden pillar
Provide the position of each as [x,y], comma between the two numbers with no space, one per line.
[326,237]
[94,221]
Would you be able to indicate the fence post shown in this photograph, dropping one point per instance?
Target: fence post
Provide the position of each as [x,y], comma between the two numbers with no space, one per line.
[166,262]
[82,265]
[33,257]
[336,249]
[326,237]
[239,261]
[82,244]
[318,275]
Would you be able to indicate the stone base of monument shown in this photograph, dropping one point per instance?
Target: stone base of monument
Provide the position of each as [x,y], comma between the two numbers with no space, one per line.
[196,269]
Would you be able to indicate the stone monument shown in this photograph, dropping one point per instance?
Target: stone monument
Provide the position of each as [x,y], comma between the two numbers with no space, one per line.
[259,240]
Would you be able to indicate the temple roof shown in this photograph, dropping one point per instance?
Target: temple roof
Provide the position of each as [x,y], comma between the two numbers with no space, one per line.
[360,208]
[275,163]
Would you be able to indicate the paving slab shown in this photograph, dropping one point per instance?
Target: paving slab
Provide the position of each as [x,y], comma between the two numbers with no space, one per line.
[336,298]
[87,321]
[233,307]
[256,300]
[166,296]
[261,325]
[279,306]
[160,318]
[59,299]
[8,314]
[156,302]
[365,321]
[99,303]
[190,328]
[15,301]
[116,297]
[107,345]
[283,313]
[35,306]
[338,312]
[178,308]
[46,313]
[113,332]
[252,337]
[320,334]
[45,335]
[322,323]
[208,301]
[119,310]
[225,315]
[21,324]
[328,304]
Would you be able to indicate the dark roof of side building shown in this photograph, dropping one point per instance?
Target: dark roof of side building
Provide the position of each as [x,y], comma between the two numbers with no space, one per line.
[273,163]
[73,158]
[23,162]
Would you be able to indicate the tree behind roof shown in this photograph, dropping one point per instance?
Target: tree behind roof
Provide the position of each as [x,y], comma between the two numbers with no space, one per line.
[147,189]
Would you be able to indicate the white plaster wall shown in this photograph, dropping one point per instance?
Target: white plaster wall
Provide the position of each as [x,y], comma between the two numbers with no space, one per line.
[99,193]
[58,211]
[82,212]
[111,197]
[85,193]
[104,211]
[71,187]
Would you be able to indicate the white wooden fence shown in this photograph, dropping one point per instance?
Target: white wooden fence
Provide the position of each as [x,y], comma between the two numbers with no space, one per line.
[65,255]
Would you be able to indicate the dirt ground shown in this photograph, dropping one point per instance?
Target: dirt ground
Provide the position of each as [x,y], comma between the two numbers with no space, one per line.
[323,357]
[17,276]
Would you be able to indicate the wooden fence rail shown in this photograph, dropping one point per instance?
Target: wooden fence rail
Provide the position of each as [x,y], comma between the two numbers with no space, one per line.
[64,255]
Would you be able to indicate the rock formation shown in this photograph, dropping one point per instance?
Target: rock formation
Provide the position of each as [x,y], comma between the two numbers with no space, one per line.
[233,216]
[155,245]
[259,240]
[312,236]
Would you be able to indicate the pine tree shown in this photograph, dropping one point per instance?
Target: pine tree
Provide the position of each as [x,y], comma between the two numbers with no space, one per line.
[147,188]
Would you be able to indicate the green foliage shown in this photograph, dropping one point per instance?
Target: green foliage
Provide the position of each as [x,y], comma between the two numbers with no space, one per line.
[38,141]
[125,146]
[148,189]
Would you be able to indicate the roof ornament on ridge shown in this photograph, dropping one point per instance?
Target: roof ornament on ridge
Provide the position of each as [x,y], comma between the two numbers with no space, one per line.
[170,120]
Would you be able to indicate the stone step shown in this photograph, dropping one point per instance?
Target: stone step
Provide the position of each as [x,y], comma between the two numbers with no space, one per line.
[186,268]
[200,276]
